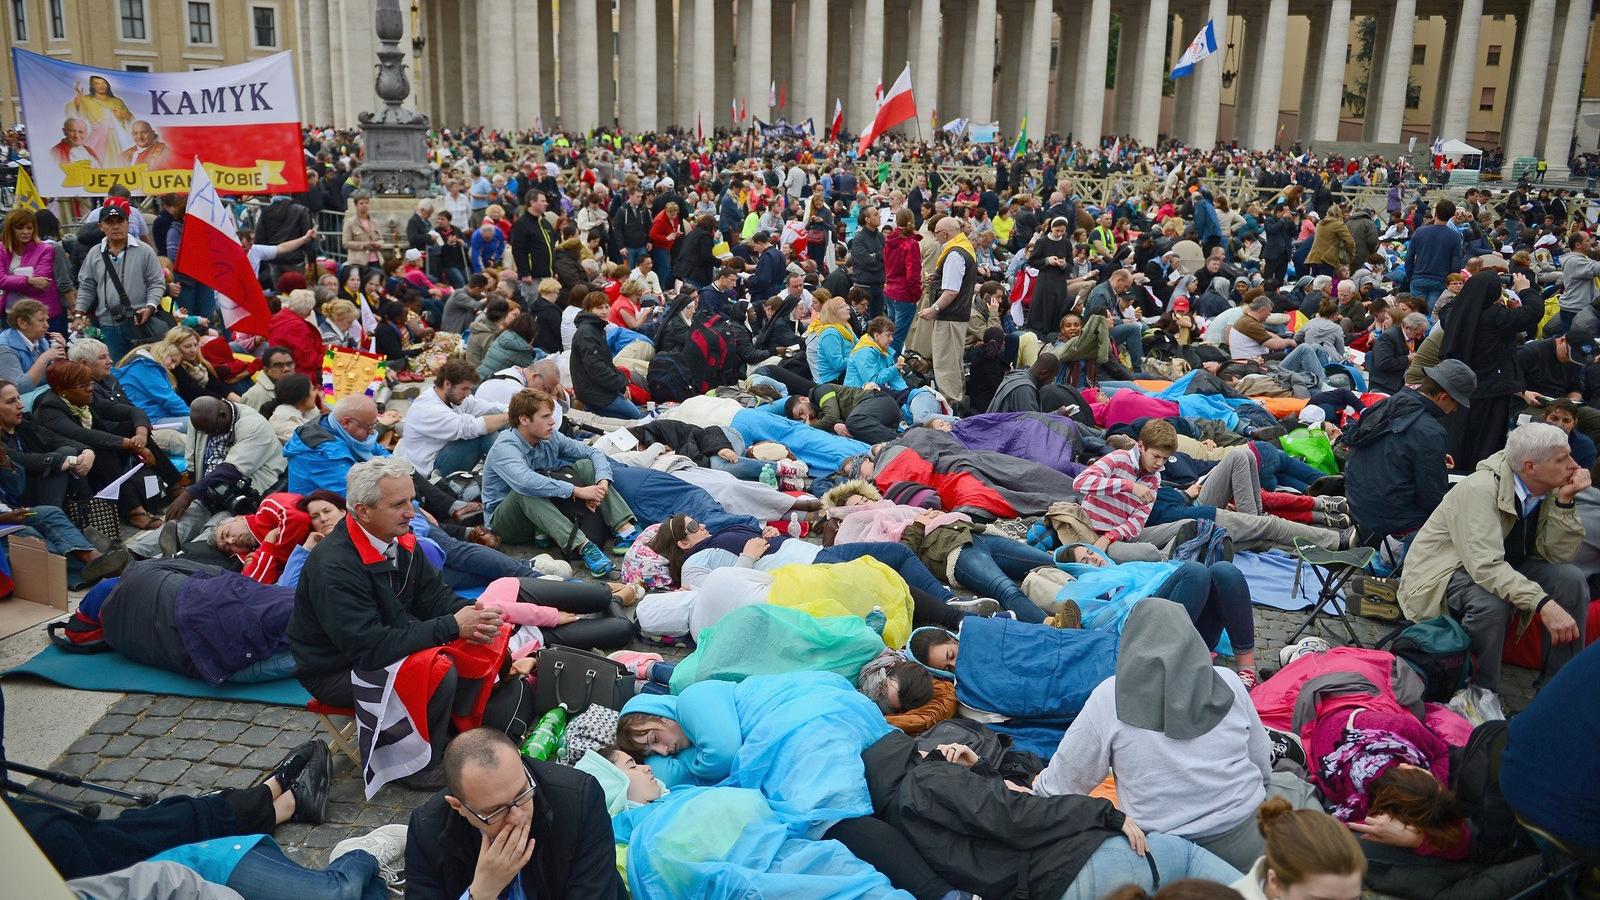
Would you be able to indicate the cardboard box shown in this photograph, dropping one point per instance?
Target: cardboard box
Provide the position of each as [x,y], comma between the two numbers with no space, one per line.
[41,586]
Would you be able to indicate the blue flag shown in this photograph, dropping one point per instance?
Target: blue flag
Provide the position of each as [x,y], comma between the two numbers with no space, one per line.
[1203,45]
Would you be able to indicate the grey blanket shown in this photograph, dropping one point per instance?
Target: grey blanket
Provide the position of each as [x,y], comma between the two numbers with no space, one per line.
[1028,486]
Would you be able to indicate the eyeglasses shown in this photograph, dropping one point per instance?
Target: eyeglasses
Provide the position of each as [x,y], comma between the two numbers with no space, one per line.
[493,817]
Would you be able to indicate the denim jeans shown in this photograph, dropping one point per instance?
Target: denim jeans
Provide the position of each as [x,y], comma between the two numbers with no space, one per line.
[620,408]
[742,469]
[1130,337]
[662,260]
[634,254]
[117,339]
[197,298]
[471,565]
[992,566]
[278,665]
[1115,864]
[60,536]
[903,314]
[266,874]
[924,405]
[1427,288]
[896,556]
[1279,469]
[462,455]
[1217,599]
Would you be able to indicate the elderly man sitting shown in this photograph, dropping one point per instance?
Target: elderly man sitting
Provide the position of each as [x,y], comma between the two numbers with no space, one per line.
[1500,544]
[368,599]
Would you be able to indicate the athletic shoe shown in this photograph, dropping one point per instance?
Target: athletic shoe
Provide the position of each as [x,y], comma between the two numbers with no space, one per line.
[624,541]
[310,787]
[1247,676]
[387,845]
[1286,745]
[977,606]
[290,767]
[1304,647]
[168,540]
[1348,538]
[104,566]
[599,564]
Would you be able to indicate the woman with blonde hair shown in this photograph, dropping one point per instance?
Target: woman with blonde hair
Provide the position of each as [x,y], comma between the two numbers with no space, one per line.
[338,326]
[195,376]
[829,339]
[146,376]
[1310,855]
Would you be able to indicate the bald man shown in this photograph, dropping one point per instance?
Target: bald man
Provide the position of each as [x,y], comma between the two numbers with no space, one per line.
[951,291]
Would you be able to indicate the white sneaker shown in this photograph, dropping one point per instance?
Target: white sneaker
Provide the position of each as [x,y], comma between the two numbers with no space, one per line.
[977,606]
[387,844]
[545,564]
[1304,647]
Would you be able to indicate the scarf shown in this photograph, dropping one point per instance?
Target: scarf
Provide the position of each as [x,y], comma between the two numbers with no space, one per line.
[1165,681]
[83,414]
[197,371]
[961,241]
[817,327]
[361,450]
[216,450]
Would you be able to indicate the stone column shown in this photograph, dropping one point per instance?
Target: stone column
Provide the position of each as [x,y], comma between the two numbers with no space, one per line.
[320,50]
[1562,106]
[466,60]
[1266,33]
[685,106]
[1534,33]
[580,63]
[781,38]
[760,54]
[1150,55]
[741,57]
[1129,32]
[357,48]
[1182,88]
[840,85]
[952,64]
[811,73]
[1207,77]
[869,68]
[1391,70]
[1072,43]
[1039,16]
[1013,64]
[980,79]
[722,43]
[699,43]
[634,93]
[605,48]
[925,72]
[665,113]
[640,43]
[1327,89]
[529,75]
[1091,78]
[339,73]
[568,46]
[497,83]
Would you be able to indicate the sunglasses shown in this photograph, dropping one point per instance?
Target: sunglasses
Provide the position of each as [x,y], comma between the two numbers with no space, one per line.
[498,814]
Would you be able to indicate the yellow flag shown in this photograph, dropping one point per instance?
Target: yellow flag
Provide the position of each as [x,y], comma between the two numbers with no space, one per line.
[27,195]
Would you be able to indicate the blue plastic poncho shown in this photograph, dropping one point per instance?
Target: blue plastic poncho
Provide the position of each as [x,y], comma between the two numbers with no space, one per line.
[821,451]
[721,843]
[1106,594]
[790,641]
[796,738]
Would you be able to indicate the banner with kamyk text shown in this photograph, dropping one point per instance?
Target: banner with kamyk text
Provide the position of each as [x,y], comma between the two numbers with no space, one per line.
[92,128]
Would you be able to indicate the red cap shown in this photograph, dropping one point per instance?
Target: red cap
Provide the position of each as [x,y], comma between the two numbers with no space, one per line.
[115,206]
[1180,305]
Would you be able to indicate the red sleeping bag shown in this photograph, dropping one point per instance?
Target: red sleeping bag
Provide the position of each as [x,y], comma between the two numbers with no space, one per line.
[956,489]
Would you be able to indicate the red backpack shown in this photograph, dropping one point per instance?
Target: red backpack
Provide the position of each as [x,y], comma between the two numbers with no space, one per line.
[710,345]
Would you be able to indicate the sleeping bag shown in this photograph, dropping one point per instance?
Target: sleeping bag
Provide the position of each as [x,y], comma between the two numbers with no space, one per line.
[1049,440]
[1030,682]
[821,451]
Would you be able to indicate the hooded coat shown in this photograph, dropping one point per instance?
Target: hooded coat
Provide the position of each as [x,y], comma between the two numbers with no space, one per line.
[1395,475]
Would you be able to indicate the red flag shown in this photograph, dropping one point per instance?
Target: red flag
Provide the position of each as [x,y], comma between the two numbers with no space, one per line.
[877,93]
[896,106]
[735,112]
[783,95]
[211,254]
[699,128]
[838,120]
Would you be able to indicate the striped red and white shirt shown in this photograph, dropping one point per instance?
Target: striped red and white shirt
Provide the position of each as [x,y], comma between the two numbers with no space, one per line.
[1108,498]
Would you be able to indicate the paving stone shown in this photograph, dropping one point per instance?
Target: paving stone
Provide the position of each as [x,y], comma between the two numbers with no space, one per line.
[117,769]
[238,778]
[165,771]
[169,706]
[288,740]
[115,724]
[264,758]
[205,775]
[121,745]
[300,720]
[229,754]
[239,712]
[292,835]
[257,736]
[191,728]
[157,748]
[153,726]
[273,715]
[89,743]
[225,732]
[76,763]
[194,751]
[374,816]
[345,789]
[325,836]
[207,709]
[132,705]
[343,813]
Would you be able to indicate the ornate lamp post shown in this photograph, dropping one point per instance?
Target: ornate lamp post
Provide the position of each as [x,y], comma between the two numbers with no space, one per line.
[394,137]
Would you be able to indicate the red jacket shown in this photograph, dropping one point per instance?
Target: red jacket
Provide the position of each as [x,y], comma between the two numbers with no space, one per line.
[902,267]
[663,232]
[302,338]
[276,513]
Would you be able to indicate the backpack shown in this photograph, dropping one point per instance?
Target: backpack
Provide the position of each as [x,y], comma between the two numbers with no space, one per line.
[1475,773]
[709,343]
[913,493]
[1439,649]
[78,634]
[668,379]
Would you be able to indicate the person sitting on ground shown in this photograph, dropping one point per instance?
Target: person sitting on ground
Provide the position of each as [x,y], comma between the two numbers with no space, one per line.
[146,374]
[1500,545]
[446,427]
[1392,352]
[1089,340]
[293,326]
[27,348]
[351,614]
[1191,756]
[1309,854]
[1119,489]
[1563,414]
[1229,492]
[463,305]
[505,822]
[537,481]
[263,539]
[489,323]
[870,364]
[94,354]
[595,379]
[515,345]
[195,375]
[545,375]
[37,470]
[1033,389]
[276,362]
[828,340]
[295,403]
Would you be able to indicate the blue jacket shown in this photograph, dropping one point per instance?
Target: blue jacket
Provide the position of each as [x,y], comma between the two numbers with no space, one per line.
[731,218]
[871,363]
[514,467]
[318,460]
[770,275]
[828,352]
[149,387]
[1205,220]
[17,356]
[488,252]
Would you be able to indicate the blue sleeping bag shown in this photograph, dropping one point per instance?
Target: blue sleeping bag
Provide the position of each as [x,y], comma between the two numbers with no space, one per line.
[721,843]
[1038,678]
[654,496]
[796,738]
[821,451]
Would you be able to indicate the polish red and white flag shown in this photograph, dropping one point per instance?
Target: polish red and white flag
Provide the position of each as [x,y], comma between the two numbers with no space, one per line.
[211,254]
[838,120]
[897,105]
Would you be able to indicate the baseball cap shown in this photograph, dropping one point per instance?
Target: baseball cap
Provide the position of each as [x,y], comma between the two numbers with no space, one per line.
[1580,343]
[413,255]
[1180,305]
[1456,378]
[115,208]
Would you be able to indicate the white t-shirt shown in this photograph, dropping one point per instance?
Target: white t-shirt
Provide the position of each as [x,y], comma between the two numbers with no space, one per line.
[952,272]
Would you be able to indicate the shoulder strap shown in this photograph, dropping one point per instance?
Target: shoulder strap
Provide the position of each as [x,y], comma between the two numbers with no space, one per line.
[116,277]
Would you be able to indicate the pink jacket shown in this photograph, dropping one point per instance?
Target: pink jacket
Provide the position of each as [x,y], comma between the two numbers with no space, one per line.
[882,521]
[501,594]
[41,255]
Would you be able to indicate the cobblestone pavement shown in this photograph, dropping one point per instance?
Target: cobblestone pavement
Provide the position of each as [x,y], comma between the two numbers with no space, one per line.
[173,745]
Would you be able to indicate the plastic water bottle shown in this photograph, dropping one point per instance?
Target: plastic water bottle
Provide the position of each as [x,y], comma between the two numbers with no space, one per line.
[876,620]
[545,739]
[797,526]
[769,475]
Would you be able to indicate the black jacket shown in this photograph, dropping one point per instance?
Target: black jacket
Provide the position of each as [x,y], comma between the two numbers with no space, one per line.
[53,422]
[1388,360]
[354,609]
[548,315]
[978,834]
[417,234]
[698,444]
[533,247]
[281,222]
[574,855]
[1395,475]
[630,226]
[695,262]
[595,378]
[866,258]
[1280,236]
[568,264]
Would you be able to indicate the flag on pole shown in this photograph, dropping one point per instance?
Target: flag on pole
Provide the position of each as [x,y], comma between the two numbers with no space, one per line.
[28,195]
[838,120]
[1021,146]
[897,106]
[772,96]
[877,94]
[735,111]
[699,128]
[783,96]
[1203,45]
[211,254]
[933,118]
[1116,149]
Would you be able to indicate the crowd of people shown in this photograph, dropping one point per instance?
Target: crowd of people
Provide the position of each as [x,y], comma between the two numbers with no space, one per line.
[961,494]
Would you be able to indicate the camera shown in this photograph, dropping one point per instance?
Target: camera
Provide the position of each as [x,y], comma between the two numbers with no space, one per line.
[236,497]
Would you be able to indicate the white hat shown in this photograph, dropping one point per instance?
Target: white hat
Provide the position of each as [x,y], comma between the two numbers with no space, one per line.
[413,255]
[664,183]
[1313,415]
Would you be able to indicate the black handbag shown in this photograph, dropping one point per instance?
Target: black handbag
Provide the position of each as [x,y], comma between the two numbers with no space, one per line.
[576,679]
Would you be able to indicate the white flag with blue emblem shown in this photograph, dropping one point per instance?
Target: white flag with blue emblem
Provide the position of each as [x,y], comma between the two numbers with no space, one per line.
[1203,45]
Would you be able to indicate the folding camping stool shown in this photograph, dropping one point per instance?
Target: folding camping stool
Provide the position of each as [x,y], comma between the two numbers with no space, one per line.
[1334,569]
[343,739]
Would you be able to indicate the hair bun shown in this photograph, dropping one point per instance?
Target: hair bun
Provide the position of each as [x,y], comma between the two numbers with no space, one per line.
[1270,812]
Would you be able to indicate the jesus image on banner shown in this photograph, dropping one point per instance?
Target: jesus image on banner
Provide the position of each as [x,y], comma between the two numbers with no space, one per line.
[107,115]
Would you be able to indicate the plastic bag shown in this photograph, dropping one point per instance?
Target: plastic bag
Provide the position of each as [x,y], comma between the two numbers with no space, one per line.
[1477,705]
[1311,446]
